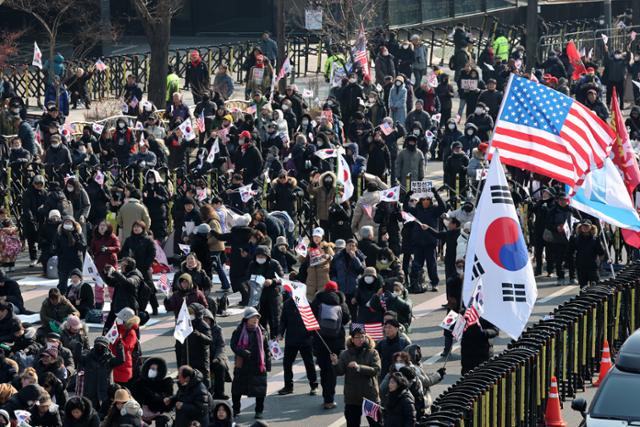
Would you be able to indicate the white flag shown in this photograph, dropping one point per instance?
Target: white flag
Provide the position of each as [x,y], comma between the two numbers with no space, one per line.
[390,195]
[344,178]
[326,153]
[187,130]
[112,334]
[302,246]
[97,128]
[497,254]
[22,416]
[246,193]
[183,324]
[89,269]
[37,56]
[215,149]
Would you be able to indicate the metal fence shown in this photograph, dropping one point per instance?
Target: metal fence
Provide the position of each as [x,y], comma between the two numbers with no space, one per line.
[511,389]
[587,41]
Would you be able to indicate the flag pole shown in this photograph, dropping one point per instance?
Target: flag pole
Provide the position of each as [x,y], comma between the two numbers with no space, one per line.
[606,248]
[323,341]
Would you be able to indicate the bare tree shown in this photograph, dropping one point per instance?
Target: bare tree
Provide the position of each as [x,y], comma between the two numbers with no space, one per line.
[8,46]
[341,19]
[156,16]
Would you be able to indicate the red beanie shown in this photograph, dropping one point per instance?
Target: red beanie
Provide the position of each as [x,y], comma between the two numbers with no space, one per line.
[245,134]
[331,286]
[483,147]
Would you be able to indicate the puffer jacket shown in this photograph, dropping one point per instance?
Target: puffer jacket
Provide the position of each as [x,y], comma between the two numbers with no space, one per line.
[150,392]
[345,270]
[410,162]
[364,212]
[316,276]
[363,382]
[322,196]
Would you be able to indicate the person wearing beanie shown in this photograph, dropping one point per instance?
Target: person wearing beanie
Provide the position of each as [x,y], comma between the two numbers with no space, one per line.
[332,302]
[74,337]
[248,160]
[150,388]
[98,364]
[250,345]
[24,400]
[346,267]
[315,266]
[33,218]
[197,76]
[271,297]
[392,343]
[285,256]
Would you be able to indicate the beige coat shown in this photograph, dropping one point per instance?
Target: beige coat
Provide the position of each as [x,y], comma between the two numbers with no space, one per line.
[129,213]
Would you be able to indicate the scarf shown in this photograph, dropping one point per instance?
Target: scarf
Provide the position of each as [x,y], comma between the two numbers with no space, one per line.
[243,343]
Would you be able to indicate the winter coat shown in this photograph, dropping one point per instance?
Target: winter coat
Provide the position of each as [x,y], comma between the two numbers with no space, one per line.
[56,313]
[125,289]
[587,248]
[89,417]
[364,212]
[199,278]
[410,162]
[51,418]
[57,157]
[398,103]
[81,204]
[391,302]
[32,200]
[247,378]
[384,67]
[345,270]
[238,238]
[197,346]
[76,343]
[196,403]
[150,392]
[109,256]
[379,160]
[429,216]
[214,223]
[156,199]
[363,382]
[484,123]
[11,291]
[558,217]
[69,246]
[399,408]
[192,295]
[615,70]
[387,347]
[323,197]
[364,293]
[249,163]
[97,366]
[98,198]
[81,297]
[476,163]
[492,99]
[283,196]
[421,117]
[29,393]
[330,298]
[370,250]
[129,213]
[316,275]
[292,327]
[129,415]
[123,373]
[476,344]
[141,248]
[197,77]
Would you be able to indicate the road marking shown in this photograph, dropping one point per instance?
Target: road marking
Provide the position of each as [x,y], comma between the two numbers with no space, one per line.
[338,423]
[429,306]
[557,293]
[434,359]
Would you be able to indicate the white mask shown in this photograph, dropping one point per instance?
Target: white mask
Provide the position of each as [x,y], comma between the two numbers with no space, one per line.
[305,122]
[452,126]
[399,365]
[119,321]
[416,132]
[479,110]
[68,227]
[398,84]
[121,125]
[369,280]
[470,132]
[69,188]
[192,317]
[153,373]
[352,80]
[460,271]
[151,181]
[261,260]
[285,107]
[55,145]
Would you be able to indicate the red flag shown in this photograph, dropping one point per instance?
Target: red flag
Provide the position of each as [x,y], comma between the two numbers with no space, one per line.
[574,58]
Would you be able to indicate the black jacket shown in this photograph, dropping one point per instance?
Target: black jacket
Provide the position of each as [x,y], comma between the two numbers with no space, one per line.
[292,327]
[141,248]
[151,391]
[97,365]
[197,346]
[89,417]
[387,347]
[247,378]
[331,298]
[399,409]
[364,292]
[125,289]
[249,163]
[196,403]
[11,290]
[476,344]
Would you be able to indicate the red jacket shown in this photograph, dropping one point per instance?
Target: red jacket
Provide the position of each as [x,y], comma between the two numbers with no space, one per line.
[100,258]
[123,373]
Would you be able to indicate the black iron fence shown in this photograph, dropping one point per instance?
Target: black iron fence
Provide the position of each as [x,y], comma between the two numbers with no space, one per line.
[512,388]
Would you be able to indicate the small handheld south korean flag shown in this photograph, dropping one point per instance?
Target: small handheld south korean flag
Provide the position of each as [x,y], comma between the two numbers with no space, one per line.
[187,130]
[390,195]
[112,334]
[37,56]
[183,324]
[449,321]
[215,149]
[246,193]
[97,128]
[164,284]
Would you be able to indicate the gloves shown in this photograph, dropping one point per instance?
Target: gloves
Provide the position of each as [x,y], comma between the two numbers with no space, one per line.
[442,372]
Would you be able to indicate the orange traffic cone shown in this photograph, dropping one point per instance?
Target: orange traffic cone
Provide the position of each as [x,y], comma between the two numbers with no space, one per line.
[605,364]
[553,416]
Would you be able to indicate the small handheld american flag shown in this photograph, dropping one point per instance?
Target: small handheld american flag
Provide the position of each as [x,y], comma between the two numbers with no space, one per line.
[371,409]
[374,330]
[200,122]
[164,284]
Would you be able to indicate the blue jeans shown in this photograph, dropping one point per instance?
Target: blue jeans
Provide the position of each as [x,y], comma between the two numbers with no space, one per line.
[219,269]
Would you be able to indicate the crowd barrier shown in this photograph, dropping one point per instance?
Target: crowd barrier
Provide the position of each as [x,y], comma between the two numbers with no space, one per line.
[511,389]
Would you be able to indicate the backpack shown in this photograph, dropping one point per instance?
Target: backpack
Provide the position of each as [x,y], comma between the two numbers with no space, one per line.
[330,320]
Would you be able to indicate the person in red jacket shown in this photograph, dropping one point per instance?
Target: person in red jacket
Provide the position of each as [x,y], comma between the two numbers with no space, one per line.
[127,323]
[104,249]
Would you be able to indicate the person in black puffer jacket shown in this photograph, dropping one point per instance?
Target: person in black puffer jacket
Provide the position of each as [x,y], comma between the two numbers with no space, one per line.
[368,285]
[330,296]
[392,343]
[125,285]
[196,348]
[219,362]
[97,365]
[558,220]
[151,388]
[141,248]
[476,345]
[587,248]
[155,197]
[192,400]
[44,414]
[24,400]
[271,297]
[283,193]
[399,404]
[78,412]
[192,266]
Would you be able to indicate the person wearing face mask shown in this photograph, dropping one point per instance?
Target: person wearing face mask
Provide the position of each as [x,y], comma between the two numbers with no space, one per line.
[385,65]
[125,286]
[478,161]
[368,285]
[195,350]
[140,246]
[392,343]
[252,362]
[379,158]
[324,192]
[540,211]
[46,236]
[57,156]
[271,297]
[156,198]
[127,323]
[207,108]
[468,141]
[588,251]
[151,388]
[104,249]
[260,76]
[455,169]
[410,161]
[491,98]
[393,298]
[375,110]
[398,100]
[33,216]
[144,159]
[69,245]
[197,76]
[349,99]
[557,221]
[419,115]
[615,73]
[248,159]
[123,141]
[18,156]
[79,199]
[469,87]
[596,105]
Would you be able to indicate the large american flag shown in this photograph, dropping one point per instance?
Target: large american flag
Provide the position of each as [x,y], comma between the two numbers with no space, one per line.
[360,54]
[374,330]
[546,132]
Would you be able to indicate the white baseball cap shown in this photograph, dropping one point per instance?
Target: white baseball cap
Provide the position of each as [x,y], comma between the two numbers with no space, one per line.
[318,231]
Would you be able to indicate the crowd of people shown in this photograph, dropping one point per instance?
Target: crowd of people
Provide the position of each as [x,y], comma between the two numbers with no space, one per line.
[127,194]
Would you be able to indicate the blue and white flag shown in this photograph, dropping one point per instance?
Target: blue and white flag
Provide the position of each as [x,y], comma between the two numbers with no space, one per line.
[604,195]
[498,273]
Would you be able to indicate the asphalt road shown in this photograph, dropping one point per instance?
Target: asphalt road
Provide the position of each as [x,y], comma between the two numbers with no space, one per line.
[300,408]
